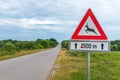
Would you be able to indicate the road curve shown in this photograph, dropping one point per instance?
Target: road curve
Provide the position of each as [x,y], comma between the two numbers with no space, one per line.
[35,66]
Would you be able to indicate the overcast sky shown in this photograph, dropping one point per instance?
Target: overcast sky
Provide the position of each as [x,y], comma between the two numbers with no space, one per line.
[33,19]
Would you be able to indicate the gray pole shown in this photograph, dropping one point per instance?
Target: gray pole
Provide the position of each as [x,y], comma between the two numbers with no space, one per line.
[88,72]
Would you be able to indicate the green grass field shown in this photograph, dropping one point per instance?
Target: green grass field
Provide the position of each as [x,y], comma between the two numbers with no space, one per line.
[73,66]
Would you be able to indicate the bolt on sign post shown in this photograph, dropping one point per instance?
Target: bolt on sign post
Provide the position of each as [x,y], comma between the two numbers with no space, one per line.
[89,36]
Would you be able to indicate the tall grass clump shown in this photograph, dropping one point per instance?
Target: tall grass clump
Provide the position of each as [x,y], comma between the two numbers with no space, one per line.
[76,53]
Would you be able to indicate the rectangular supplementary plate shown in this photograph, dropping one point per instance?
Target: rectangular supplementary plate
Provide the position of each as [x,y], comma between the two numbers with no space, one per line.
[89,45]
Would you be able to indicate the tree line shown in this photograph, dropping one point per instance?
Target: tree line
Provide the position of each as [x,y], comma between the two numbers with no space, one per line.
[115,45]
[12,46]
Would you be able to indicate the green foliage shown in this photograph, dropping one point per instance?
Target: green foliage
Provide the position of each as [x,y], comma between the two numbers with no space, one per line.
[115,45]
[8,49]
[39,46]
[76,53]
[11,46]
[53,42]
[44,43]
[4,52]
[65,44]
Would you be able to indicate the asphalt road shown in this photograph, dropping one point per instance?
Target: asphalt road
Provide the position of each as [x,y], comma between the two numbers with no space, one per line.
[35,66]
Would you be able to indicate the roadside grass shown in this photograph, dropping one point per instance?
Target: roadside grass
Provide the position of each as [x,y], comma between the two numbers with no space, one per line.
[73,66]
[20,53]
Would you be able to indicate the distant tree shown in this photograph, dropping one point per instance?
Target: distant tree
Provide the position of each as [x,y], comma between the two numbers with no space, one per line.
[53,39]
[38,40]
[26,45]
[9,46]
[115,45]
[114,48]
[65,44]
[44,43]
[39,46]
[18,45]
[31,45]
[1,44]
[118,46]
[53,42]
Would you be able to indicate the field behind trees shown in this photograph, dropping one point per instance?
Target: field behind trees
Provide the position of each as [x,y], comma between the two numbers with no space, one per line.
[13,47]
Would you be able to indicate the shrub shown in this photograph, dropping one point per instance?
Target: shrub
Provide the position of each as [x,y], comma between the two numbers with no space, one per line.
[9,46]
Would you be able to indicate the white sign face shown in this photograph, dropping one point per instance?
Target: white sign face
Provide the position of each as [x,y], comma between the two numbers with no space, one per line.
[90,45]
[89,28]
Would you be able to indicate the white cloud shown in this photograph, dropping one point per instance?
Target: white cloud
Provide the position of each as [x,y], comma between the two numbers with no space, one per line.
[106,11]
[113,28]
[34,21]
[33,24]
[28,21]
[9,7]
[112,31]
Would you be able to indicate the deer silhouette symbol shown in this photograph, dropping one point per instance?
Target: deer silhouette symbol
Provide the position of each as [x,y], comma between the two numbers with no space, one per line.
[89,29]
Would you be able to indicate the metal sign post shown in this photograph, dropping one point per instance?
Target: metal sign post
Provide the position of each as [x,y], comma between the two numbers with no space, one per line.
[88,66]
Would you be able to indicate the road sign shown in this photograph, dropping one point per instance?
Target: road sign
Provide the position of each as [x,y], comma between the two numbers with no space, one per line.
[89,29]
[90,45]
[90,32]
[89,36]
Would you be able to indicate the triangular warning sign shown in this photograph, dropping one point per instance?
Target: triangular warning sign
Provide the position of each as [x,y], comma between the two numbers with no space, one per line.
[89,29]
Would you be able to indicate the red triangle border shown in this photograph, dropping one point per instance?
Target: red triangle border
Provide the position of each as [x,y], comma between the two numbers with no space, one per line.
[75,35]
